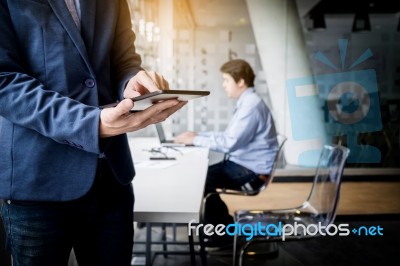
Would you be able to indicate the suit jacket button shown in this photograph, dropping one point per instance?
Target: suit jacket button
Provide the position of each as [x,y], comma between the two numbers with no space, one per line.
[89,83]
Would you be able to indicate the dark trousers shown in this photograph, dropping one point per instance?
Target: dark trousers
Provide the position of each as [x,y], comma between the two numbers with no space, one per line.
[5,256]
[99,226]
[228,175]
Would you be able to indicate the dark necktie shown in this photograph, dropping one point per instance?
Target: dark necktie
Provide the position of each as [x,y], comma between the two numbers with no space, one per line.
[72,9]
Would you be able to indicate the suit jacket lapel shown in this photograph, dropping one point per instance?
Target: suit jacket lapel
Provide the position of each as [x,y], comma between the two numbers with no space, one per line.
[61,11]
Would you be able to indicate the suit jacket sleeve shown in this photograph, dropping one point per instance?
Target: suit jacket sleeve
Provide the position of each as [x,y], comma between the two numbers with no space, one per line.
[26,102]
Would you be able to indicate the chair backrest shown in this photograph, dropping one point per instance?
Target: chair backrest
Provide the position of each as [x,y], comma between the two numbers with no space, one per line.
[324,196]
[279,157]
[278,161]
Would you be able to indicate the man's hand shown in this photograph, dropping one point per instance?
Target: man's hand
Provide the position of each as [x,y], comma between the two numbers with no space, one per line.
[144,82]
[118,120]
[186,137]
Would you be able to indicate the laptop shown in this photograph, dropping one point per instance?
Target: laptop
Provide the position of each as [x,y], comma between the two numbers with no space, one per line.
[164,141]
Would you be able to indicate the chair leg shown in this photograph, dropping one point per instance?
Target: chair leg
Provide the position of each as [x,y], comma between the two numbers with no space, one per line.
[243,251]
[234,250]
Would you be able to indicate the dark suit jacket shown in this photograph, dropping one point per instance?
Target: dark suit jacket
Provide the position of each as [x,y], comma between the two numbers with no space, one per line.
[52,80]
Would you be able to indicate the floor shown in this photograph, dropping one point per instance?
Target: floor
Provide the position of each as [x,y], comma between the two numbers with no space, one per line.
[327,251]
[332,250]
[356,197]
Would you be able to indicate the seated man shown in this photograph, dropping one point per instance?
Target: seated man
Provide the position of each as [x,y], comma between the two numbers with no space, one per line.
[249,142]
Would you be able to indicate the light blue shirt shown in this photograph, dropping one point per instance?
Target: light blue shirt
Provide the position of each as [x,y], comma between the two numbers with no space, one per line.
[250,138]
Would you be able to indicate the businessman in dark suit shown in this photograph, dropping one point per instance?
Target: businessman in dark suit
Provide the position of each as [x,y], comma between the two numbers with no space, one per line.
[65,165]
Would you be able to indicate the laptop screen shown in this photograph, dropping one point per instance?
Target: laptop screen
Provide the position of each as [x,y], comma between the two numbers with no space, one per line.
[163,139]
[160,133]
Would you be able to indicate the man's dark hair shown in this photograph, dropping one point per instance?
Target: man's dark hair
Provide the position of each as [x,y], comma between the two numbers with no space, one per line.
[239,69]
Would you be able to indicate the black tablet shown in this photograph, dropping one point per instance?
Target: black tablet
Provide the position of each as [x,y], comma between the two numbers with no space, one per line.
[146,100]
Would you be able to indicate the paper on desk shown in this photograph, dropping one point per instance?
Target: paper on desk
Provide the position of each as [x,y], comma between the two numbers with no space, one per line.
[183,150]
[155,164]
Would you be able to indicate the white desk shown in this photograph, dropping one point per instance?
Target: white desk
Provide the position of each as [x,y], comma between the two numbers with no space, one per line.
[168,191]
[172,194]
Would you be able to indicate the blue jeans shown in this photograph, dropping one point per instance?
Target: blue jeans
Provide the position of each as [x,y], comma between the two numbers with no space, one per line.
[99,226]
[228,175]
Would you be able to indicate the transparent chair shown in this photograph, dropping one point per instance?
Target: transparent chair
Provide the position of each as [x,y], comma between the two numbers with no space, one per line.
[319,208]
[281,141]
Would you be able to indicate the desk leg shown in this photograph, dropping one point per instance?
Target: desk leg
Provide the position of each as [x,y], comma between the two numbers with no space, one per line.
[203,254]
[148,244]
[164,238]
[192,253]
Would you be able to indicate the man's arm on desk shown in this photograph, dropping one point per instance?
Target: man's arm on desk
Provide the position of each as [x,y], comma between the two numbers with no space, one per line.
[186,138]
